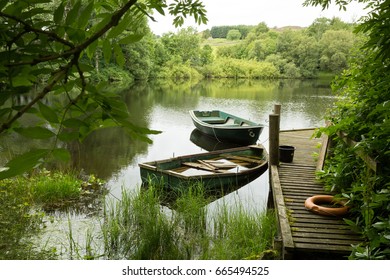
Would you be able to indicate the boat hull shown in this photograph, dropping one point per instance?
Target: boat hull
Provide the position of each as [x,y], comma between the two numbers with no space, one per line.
[226,127]
[250,161]
[210,143]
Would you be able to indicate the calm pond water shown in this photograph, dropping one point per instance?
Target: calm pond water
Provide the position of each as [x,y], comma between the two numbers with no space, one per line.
[111,155]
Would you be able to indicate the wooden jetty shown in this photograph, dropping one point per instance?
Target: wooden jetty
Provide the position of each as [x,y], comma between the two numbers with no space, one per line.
[303,234]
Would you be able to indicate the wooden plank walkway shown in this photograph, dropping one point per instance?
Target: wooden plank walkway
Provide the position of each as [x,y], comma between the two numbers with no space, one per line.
[305,235]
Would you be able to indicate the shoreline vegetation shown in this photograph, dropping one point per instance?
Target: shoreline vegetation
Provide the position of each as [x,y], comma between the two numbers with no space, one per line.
[139,226]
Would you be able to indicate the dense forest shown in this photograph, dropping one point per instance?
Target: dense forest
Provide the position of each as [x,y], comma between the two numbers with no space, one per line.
[236,52]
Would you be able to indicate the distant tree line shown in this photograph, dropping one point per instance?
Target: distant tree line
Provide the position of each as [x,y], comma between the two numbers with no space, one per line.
[222,31]
[257,52]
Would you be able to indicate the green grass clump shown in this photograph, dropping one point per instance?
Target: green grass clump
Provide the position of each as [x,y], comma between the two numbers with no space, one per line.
[54,187]
[57,190]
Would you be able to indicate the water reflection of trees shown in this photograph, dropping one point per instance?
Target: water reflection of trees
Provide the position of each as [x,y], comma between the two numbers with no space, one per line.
[107,151]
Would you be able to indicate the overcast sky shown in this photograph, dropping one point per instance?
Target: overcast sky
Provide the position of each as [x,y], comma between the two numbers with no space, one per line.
[251,12]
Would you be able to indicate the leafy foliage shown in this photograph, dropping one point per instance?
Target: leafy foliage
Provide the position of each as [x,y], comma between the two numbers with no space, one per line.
[363,114]
[233,34]
[46,56]
[236,68]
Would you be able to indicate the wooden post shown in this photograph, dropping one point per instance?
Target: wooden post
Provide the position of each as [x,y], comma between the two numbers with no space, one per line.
[277,109]
[274,127]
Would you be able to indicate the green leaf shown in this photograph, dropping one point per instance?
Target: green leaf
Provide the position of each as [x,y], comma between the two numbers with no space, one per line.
[4,96]
[15,8]
[5,111]
[73,14]
[85,15]
[21,81]
[122,25]
[120,58]
[92,49]
[86,67]
[159,9]
[48,113]
[106,17]
[35,11]
[61,154]
[107,51]
[23,163]
[74,123]
[59,13]
[84,132]
[131,39]
[35,132]
[75,34]
[68,136]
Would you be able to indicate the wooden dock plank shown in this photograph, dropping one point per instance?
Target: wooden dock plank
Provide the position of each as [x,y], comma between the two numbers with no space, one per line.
[301,230]
[281,210]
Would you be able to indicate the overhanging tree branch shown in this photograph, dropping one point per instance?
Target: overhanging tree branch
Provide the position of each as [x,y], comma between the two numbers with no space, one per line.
[56,78]
[29,28]
[75,52]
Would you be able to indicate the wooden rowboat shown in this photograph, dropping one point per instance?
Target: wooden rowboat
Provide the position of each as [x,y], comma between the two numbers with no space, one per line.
[235,166]
[226,127]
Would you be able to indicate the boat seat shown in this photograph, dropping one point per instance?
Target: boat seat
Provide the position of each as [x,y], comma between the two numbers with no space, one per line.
[213,120]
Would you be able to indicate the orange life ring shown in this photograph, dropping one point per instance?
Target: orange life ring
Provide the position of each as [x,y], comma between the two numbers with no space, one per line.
[311,204]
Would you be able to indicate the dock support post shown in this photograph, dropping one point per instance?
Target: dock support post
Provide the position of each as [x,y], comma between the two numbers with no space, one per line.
[277,109]
[274,127]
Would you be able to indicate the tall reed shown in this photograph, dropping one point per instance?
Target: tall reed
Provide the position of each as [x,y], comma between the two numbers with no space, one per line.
[140,226]
[241,234]
[136,227]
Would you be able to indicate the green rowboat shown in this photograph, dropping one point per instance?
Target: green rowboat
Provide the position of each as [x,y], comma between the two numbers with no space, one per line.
[226,127]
